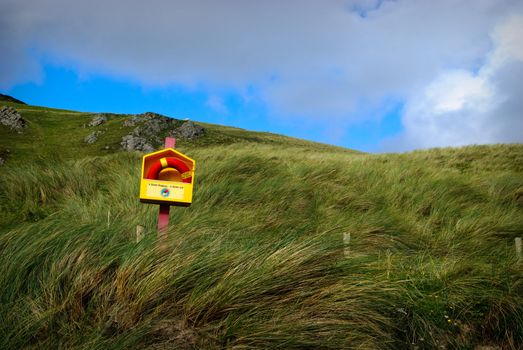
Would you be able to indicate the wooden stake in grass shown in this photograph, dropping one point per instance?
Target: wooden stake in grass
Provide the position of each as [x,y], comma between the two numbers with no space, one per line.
[139,233]
[346,242]
[517,241]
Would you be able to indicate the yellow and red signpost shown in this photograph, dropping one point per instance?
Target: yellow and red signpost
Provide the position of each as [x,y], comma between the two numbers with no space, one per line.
[167,179]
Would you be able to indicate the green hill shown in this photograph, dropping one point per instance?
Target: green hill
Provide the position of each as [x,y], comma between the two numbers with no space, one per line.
[60,134]
[289,244]
[6,98]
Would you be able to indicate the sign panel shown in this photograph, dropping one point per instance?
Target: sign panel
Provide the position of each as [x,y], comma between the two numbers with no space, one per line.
[165,191]
[167,178]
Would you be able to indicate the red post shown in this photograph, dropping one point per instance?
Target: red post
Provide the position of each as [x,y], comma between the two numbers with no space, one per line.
[163,214]
[170,142]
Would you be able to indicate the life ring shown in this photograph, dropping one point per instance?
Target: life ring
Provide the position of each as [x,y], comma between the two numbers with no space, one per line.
[170,162]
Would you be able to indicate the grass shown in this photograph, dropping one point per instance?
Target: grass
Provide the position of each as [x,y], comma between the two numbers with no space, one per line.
[259,261]
[59,135]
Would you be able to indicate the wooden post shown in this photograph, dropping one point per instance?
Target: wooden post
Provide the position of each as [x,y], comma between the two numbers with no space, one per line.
[346,242]
[139,233]
[163,214]
[517,241]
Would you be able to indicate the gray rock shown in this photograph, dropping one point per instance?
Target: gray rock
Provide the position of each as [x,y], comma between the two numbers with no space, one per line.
[129,122]
[190,131]
[145,135]
[98,119]
[11,118]
[135,143]
[92,137]
[152,127]
[133,120]
[153,124]
[143,117]
[2,161]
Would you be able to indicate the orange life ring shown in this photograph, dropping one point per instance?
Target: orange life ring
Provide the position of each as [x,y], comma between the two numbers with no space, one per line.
[170,162]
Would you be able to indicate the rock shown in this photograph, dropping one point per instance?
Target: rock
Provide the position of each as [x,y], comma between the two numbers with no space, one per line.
[2,161]
[147,134]
[98,119]
[190,131]
[129,122]
[92,137]
[133,120]
[155,123]
[11,118]
[152,127]
[136,143]
[138,118]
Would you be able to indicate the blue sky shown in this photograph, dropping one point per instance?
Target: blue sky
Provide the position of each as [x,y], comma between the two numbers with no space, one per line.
[370,75]
[62,87]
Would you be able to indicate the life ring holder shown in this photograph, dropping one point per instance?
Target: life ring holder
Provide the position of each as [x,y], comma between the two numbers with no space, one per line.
[169,162]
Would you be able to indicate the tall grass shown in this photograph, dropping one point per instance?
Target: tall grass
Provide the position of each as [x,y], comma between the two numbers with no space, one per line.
[258,260]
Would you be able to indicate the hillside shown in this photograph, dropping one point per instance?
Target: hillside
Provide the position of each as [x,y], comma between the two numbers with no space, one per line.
[7,98]
[289,244]
[49,130]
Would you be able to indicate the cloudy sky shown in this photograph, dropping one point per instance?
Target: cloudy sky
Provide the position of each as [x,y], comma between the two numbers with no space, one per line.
[372,75]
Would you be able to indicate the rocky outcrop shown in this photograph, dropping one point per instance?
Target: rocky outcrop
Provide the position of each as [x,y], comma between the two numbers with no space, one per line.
[189,130]
[139,118]
[150,122]
[150,128]
[129,122]
[92,137]
[136,143]
[11,118]
[148,133]
[97,120]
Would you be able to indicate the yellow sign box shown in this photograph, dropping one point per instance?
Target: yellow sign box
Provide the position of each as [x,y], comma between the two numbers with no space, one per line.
[167,178]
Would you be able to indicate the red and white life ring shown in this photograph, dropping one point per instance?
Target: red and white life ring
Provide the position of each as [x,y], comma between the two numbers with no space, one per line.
[170,162]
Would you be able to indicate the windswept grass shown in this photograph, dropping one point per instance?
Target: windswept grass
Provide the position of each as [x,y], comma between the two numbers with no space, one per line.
[259,261]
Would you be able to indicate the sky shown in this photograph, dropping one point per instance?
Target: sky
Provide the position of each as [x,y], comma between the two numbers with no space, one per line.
[371,75]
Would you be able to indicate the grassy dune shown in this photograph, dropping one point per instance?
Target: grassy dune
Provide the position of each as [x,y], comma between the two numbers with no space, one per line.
[259,261]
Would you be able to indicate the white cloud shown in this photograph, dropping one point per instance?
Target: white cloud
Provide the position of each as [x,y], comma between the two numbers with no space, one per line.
[337,61]
[454,91]
[508,41]
[460,107]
